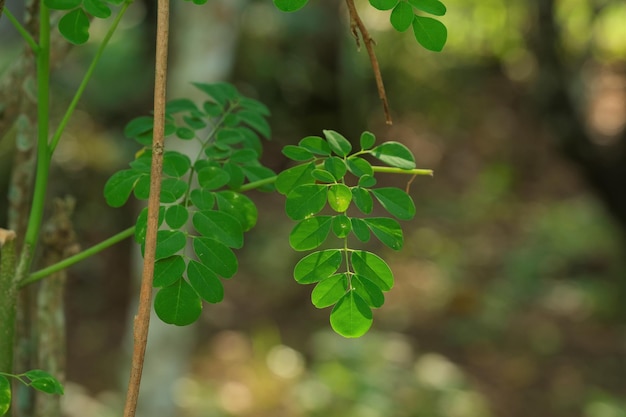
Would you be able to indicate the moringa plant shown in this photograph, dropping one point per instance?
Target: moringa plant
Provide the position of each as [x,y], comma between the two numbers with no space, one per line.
[198,210]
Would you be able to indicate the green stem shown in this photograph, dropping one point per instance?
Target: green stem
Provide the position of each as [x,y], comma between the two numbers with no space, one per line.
[43,155]
[391,170]
[22,31]
[8,298]
[81,88]
[65,263]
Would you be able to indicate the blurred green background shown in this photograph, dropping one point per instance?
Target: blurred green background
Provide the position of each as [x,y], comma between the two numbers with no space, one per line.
[510,291]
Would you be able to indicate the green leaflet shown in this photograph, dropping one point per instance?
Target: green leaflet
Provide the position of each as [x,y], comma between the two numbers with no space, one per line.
[430,33]
[169,242]
[178,304]
[5,395]
[310,233]
[44,382]
[306,200]
[401,16]
[293,177]
[74,26]
[338,143]
[219,226]
[351,316]
[388,231]
[205,282]
[290,5]
[317,266]
[397,202]
[339,197]
[328,291]
[216,256]
[372,267]
[394,154]
[168,270]
[118,188]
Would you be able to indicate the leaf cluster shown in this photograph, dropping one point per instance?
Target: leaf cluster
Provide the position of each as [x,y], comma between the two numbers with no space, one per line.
[202,215]
[75,21]
[36,378]
[429,32]
[322,180]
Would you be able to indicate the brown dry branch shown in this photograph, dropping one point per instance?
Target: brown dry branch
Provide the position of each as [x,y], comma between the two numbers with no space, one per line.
[357,26]
[142,319]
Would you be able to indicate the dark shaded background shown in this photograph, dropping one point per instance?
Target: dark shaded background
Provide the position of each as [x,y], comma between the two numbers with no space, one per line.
[509,297]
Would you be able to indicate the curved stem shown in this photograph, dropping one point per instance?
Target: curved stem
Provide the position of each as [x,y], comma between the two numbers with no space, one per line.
[22,31]
[65,263]
[43,155]
[357,23]
[81,88]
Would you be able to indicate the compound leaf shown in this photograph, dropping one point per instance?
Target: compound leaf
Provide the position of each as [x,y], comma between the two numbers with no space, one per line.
[351,316]
[178,304]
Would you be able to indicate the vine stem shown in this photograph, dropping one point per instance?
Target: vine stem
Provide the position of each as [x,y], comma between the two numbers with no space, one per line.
[357,24]
[79,92]
[21,30]
[142,319]
[67,262]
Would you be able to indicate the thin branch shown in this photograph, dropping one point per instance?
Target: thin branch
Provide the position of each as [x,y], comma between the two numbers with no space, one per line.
[22,31]
[67,262]
[142,319]
[79,92]
[357,24]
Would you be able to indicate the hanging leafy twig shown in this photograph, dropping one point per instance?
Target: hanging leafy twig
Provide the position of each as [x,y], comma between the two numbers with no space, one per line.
[357,24]
[142,319]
